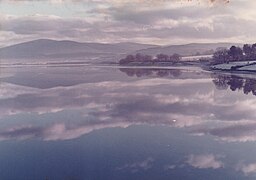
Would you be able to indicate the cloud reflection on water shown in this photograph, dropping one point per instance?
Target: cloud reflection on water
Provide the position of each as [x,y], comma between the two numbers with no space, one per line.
[183,102]
[137,166]
[205,161]
[247,169]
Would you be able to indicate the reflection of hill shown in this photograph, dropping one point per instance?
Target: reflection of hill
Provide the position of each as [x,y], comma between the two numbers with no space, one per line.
[222,81]
[151,72]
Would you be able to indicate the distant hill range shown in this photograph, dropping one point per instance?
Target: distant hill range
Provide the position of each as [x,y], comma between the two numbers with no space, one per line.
[187,49]
[45,48]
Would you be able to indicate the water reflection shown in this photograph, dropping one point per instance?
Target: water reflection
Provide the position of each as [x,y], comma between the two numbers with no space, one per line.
[139,72]
[165,124]
[234,83]
[184,102]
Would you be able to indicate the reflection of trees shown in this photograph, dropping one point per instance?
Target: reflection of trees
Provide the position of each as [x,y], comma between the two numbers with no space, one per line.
[235,83]
[149,59]
[222,81]
[250,86]
[138,72]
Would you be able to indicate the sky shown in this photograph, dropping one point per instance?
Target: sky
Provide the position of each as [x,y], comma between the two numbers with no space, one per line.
[161,22]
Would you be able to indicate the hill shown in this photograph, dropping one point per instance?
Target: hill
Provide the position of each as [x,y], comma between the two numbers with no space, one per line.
[46,48]
[187,49]
[52,49]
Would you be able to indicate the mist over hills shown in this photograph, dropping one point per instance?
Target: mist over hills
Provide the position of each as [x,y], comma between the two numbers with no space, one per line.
[52,49]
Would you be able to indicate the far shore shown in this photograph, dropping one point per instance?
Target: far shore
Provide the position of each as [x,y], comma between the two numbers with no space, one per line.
[232,67]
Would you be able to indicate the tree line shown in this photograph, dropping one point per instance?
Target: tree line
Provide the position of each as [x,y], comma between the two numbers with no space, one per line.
[150,59]
[235,53]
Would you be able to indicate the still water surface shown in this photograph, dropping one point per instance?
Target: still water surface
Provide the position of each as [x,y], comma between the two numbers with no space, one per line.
[86,123]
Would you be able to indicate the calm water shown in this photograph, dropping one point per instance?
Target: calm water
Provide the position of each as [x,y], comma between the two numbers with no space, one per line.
[88,123]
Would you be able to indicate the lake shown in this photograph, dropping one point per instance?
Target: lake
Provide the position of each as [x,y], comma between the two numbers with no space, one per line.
[88,122]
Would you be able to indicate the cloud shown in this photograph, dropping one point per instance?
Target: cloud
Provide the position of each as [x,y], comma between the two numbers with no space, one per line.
[103,104]
[182,103]
[20,133]
[161,22]
[37,24]
[57,131]
[247,169]
[40,100]
[127,1]
[61,132]
[137,166]
[205,161]
[243,131]
[170,167]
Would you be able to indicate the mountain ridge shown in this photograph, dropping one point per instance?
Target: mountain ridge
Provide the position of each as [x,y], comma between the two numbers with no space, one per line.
[43,48]
[187,49]
[48,48]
